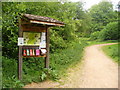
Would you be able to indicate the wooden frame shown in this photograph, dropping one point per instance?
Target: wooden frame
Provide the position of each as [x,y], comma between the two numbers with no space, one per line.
[23,28]
[20,53]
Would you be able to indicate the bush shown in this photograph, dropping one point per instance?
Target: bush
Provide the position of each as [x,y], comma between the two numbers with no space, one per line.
[56,42]
[9,73]
[7,66]
[110,32]
[33,71]
[61,60]
[94,35]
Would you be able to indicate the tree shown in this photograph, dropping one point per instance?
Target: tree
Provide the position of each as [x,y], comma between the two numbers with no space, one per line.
[102,14]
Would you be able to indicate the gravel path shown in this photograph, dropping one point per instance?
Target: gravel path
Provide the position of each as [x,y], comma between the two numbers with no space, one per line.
[97,71]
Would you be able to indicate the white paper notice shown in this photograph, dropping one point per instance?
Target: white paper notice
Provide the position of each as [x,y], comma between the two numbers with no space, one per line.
[43,51]
[43,41]
[20,41]
[42,45]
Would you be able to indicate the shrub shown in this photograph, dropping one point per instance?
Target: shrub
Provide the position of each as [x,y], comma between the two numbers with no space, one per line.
[110,32]
[9,73]
[7,66]
[94,35]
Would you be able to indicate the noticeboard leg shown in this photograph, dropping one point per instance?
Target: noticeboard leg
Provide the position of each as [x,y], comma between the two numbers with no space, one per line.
[47,62]
[47,48]
[20,64]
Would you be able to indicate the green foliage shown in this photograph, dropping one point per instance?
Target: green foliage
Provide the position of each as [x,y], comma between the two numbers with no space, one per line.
[94,35]
[11,82]
[56,41]
[62,60]
[67,12]
[33,71]
[102,13]
[33,68]
[110,32]
[9,68]
[10,13]
[112,51]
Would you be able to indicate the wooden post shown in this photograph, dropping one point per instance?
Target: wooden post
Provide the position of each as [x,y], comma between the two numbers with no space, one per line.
[20,53]
[47,48]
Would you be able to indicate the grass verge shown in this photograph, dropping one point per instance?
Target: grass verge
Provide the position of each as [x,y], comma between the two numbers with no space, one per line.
[112,51]
[101,42]
[91,42]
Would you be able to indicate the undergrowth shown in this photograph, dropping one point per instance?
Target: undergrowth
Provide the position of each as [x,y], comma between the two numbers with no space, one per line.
[33,68]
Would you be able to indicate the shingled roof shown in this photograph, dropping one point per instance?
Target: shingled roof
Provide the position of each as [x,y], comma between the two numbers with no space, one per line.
[43,20]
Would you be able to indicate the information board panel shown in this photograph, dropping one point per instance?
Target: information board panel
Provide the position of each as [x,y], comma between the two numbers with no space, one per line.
[31,38]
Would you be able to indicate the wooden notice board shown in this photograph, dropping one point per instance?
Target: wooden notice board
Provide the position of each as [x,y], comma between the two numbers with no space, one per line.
[34,38]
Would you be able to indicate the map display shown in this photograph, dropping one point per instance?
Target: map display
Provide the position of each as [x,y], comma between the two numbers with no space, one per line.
[31,38]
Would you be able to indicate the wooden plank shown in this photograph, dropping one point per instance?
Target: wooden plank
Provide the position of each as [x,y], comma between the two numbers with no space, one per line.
[30,28]
[33,30]
[30,46]
[34,56]
[20,53]
[47,48]
[46,23]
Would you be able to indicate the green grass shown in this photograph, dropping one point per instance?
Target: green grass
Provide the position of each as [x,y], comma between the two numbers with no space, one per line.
[91,42]
[112,51]
[101,42]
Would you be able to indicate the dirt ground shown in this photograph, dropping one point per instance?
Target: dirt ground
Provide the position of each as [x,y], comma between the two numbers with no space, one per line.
[97,71]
